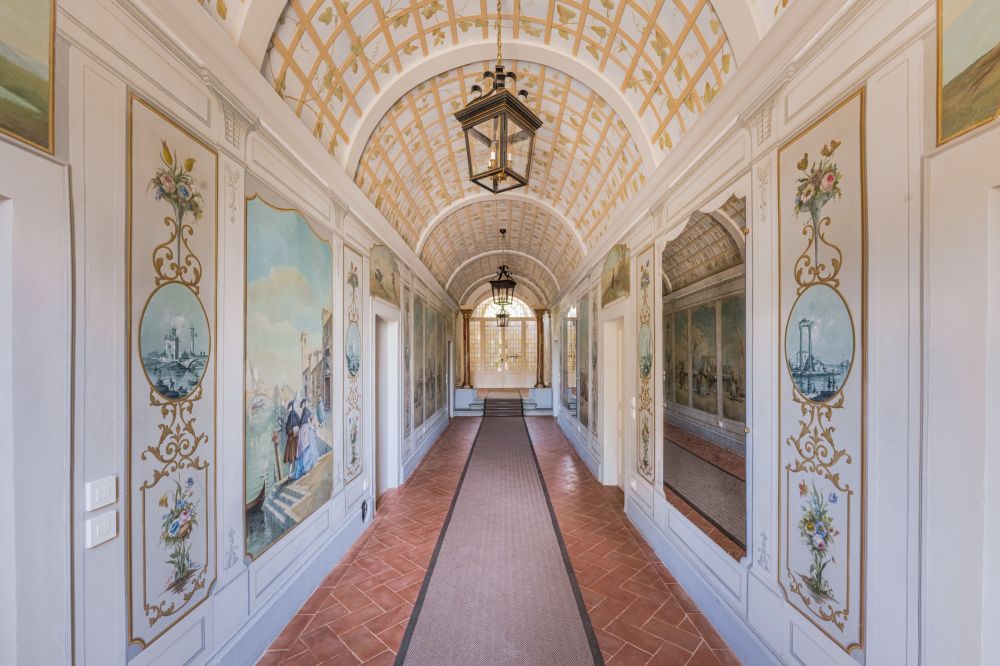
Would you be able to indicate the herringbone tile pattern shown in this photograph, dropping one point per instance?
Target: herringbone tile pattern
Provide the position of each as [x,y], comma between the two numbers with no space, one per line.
[640,613]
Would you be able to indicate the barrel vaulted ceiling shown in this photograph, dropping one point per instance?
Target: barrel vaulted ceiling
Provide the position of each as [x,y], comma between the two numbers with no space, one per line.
[617,83]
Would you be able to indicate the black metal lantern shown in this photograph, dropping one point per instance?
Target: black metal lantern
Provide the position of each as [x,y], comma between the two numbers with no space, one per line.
[503,317]
[499,130]
[503,284]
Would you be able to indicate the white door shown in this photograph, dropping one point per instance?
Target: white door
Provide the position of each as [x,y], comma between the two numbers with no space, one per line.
[387,403]
[620,418]
[35,404]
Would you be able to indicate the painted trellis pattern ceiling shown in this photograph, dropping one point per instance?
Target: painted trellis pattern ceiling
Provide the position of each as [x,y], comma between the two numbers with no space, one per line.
[333,60]
[586,163]
[473,230]
[707,246]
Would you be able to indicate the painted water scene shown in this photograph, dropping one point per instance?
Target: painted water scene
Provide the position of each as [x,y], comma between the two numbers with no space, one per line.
[819,343]
[384,274]
[174,341]
[289,382]
[615,275]
[26,70]
[969,65]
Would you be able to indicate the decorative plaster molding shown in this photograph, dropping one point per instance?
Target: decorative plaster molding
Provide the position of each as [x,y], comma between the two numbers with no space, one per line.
[763,178]
[763,122]
[763,554]
[234,176]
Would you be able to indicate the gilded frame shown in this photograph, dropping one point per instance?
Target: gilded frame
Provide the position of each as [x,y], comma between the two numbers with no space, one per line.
[861,351]
[133,99]
[51,147]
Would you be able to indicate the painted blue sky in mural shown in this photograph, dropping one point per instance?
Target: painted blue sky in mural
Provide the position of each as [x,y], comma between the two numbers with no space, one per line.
[290,269]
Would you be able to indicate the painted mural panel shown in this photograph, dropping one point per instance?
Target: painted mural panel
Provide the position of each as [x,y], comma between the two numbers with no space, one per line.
[288,392]
[354,445]
[407,366]
[734,358]
[682,374]
[27,71]
[384,275]
[418,361]
[704,382]
[645,463]
[968,65]
[615,275]
[668,354]
[594,382]
[430,362]
[822,391]
[170,525]
[583,353]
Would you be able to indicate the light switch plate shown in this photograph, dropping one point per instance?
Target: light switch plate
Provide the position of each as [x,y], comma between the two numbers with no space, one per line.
[101,492]
[101,528]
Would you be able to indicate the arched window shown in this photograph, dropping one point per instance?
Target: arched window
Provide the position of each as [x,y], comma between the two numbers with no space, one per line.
[503,357]
[517,310]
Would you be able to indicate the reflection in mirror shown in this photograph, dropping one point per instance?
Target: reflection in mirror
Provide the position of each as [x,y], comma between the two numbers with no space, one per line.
[705,370]
[568,373]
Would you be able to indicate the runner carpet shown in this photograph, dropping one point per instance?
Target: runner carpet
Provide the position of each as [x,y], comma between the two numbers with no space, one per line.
[500,588]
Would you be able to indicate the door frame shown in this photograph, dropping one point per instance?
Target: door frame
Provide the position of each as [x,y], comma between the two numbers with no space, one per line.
[36,362]
[613,404]
[383,314]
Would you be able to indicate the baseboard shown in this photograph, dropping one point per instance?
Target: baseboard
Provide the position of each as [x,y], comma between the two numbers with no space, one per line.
[416,455]
[582,449]
[250,642]
[733,628]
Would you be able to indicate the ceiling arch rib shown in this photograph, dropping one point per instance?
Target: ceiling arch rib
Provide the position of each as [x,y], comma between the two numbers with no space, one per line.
[586,163]
[473,231]
[479,289]
[513,260]
[524,271]
[486,197]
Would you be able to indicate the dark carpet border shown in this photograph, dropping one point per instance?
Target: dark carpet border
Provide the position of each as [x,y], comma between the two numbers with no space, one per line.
[588,627]
[412,624]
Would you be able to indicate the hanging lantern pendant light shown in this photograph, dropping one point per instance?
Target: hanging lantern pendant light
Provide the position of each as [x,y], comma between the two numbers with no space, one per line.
[503,317]
[499,129]
[503,284]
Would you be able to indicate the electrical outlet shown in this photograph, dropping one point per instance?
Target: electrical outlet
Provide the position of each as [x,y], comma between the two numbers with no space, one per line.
[101,492]
[101,528]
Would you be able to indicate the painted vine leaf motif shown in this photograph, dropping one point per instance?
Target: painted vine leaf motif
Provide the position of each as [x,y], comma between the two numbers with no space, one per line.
[825,611]
[645,394]
[174,261]
[174,183]
[819,264]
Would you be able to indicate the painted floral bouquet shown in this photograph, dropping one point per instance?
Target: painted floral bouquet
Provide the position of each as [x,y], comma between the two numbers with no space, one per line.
[818,534]
[819,184]
[178,522]
[174,183]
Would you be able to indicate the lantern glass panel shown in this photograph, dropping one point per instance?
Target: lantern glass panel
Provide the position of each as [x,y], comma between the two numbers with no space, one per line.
[481,141]
[518,148]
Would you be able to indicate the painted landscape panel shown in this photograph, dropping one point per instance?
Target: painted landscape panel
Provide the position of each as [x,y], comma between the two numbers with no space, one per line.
[615,277]
[734,359]
[384,276]
[26,70]
[968,65]
[288,374]
[681,366]
[583,348]
[418,361]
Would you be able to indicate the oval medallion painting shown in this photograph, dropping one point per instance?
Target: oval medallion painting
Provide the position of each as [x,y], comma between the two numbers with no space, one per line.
[174,341]
[819,343]
[352,352]
[645,350]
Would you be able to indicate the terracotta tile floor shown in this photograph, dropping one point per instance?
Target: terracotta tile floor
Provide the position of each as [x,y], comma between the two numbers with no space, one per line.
[640,613]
